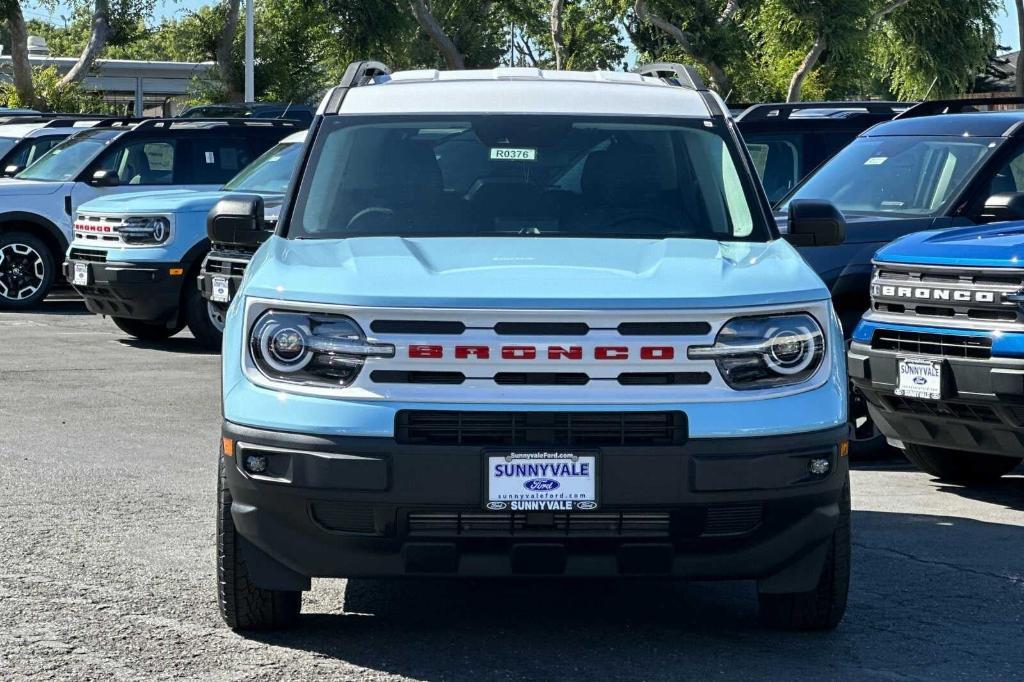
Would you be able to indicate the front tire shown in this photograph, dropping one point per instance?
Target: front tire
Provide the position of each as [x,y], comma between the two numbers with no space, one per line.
[27,270]
[244,606]
[199,314]
[823,607]
[145,331]
[958,466]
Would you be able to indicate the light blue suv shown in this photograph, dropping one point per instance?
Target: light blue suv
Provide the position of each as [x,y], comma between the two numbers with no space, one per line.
[527,323]
[160,242]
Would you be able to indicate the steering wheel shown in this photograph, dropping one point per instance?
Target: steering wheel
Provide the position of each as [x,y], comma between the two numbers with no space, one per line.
[366,213]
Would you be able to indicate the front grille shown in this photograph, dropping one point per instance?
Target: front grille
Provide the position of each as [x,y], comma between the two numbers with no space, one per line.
[944,410]
[491,524]
[455,328]
[91,255]
[957,294]
[732,520]
[504,429]
[344,517]
[224,267]
[942,345]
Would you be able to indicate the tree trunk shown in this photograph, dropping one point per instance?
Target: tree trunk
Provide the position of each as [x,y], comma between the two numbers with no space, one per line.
[20,64]
[806,66]
[223,52]
[719,79]
[97,41]
[452,57]
[1020,51]
[556,30]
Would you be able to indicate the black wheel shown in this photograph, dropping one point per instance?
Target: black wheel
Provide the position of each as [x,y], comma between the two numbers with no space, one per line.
[243,606]
[958,466]
[27,270]
[146,331]
[203,319]
[866,441]
[823,607]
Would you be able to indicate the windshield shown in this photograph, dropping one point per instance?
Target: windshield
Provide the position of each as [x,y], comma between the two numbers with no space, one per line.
[68,159]
[909,176]
[548,175]
[6,144]
[270,172]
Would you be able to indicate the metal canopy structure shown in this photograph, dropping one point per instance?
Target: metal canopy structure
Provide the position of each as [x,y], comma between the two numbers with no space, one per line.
[144,83]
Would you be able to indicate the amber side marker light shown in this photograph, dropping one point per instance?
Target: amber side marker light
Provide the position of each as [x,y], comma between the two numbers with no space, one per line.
[177,272]
[844,448]
[228,446]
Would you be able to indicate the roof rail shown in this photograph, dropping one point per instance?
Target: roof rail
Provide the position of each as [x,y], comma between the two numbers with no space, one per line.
[935,107]
[231,122]
[783,110]
[356,75]
[674,74]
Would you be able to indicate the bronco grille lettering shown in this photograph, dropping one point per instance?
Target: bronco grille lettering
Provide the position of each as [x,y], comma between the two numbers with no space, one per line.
[521,352]
[933,294]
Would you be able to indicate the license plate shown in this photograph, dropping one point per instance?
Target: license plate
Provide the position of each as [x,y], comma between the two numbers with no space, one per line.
[919,378]
[81,276]
[221,292]
[541,481]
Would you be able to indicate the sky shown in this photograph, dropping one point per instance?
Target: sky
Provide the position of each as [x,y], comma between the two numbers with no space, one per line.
[1007,18]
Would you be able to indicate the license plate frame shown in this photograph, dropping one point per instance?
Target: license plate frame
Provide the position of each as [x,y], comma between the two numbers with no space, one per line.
[80,274]
[578,484]
[220,290]
[921,378]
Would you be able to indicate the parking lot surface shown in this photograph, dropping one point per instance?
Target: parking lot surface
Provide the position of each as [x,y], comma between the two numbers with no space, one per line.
[107,487]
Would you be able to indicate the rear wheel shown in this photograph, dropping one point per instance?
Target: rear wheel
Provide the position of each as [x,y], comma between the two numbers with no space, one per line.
[27,270]
[823,607]
[146,331]
[244,606]
[959,466]
[202,319]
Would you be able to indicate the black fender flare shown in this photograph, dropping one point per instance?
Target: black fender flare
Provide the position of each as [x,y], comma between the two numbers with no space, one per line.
[54,233]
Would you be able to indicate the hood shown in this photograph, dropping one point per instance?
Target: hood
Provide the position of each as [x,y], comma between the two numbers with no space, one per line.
[996,245]
[167,201]
[14,187]
[521,272]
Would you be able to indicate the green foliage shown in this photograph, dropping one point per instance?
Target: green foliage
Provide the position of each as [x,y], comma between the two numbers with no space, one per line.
[70,98]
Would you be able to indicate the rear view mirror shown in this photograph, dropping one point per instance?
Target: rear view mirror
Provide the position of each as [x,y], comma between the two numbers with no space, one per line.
[1003,206]
[11,171]
[105,178]
[237,219]
[813,222]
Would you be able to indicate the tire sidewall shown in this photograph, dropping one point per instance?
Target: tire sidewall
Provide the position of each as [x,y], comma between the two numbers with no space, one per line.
[49,269]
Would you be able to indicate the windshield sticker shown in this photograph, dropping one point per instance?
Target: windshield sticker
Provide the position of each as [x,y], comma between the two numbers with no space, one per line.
[209,157]
[513,154]
[876,160]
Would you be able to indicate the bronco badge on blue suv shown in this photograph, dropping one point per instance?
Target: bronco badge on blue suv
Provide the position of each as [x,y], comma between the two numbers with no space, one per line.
[528,323]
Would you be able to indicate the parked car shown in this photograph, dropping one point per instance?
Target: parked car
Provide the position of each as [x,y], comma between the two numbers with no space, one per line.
[224,266]
[39,202]
[158,297]
[543,326]
[939,354]
[23,143]
[788,141]
[295,112]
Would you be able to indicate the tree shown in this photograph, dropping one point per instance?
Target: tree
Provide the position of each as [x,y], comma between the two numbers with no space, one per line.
[97,41]
[20,65]
[557,46]
[445,45]
[224,51]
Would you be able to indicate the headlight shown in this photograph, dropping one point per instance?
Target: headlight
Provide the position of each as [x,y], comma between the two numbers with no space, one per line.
[766,352]
[144,230]
[316,349]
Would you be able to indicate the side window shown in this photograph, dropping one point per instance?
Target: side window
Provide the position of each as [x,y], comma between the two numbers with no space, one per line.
[30,150]
[1009,177]
[217,160]
[778,161]
[142,163]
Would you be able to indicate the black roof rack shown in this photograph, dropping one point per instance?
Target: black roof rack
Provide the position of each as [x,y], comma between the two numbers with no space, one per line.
[935,107]
[230,122]
[674,74]
[783,110]
[356,75]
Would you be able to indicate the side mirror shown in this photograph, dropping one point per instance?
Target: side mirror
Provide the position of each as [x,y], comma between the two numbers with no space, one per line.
[1003,206]
[105,178]
[815,223]
[11,171]
[237,219]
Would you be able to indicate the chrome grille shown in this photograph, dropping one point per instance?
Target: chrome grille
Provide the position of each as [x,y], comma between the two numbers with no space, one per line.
[943,345]
[490,524]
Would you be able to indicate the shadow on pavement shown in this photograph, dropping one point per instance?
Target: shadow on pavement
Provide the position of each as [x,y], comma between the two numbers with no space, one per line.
[931,595]
[1007,492]
[184,345]
[54,307]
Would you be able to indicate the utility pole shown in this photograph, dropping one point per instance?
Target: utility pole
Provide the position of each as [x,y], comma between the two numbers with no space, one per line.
[250,48]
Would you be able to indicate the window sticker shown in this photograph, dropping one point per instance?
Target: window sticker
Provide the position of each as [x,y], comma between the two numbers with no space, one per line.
[513,154]
[209,157]
[876,160]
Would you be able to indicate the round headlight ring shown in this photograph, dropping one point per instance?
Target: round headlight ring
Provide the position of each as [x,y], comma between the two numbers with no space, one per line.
[284,347]
[790,351]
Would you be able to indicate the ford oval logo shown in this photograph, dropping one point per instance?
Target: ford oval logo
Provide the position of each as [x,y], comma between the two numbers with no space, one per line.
[496,506]
[586,504]
[920,381]
[541,484]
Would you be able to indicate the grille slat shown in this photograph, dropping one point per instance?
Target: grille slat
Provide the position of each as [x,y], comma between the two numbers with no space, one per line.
[942,345]
[91,255]
[510,524]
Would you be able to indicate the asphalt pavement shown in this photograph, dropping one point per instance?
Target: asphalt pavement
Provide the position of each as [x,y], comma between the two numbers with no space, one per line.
[108,460]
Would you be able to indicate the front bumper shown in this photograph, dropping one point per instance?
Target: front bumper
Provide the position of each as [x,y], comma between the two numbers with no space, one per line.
[725,508]
[981,410]
[227,265]
[134,290]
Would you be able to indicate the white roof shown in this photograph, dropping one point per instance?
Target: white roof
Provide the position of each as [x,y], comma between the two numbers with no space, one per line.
[519,90]
[294,137]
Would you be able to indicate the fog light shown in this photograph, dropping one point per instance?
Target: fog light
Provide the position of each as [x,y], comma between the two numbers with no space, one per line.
[255,464]
[818,466]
